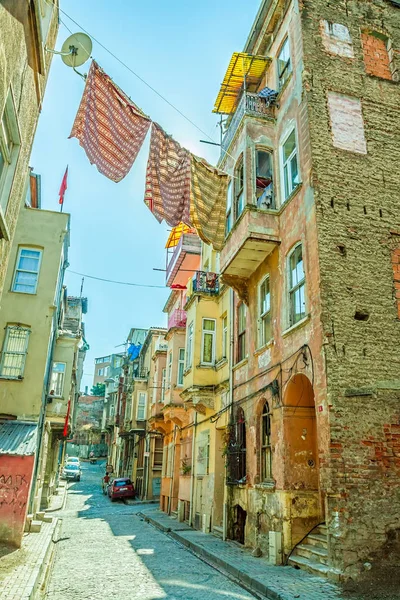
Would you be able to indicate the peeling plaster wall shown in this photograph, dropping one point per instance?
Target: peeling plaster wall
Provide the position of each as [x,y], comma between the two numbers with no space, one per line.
[357,204]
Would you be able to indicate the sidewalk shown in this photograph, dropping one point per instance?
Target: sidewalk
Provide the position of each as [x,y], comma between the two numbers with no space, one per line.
[23,570]
[256,574]
[57,501]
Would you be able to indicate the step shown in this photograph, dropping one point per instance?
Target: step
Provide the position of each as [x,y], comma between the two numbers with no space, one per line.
[39,516]
[28,521]
[218,531]
[313,553]
[321,530]
[36,526]
[315,568]
[48,519]
[316,539]
[174,514]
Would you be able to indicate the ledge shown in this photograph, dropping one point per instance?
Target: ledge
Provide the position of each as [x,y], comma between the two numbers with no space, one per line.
[240,364]
[270,343]
[221,363]
[297,325]
[266,486]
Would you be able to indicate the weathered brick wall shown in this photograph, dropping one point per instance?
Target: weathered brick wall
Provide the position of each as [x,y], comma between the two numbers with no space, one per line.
[16,59]
[357,203]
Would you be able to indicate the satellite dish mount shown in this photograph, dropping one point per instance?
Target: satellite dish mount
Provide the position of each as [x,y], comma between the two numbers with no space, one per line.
[75,51]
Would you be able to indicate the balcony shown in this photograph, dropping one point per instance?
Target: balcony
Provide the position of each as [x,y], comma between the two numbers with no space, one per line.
[253,237]
[183,260]
[249,105]
[206,282]
[177,318]
[142,374]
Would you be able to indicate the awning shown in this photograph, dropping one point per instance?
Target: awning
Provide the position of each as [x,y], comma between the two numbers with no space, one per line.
[18,438]
[242,66]
[177,233]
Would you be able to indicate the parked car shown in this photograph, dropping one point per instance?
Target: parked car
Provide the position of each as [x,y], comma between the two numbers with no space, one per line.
[71,471]
[73,460]
[121,488]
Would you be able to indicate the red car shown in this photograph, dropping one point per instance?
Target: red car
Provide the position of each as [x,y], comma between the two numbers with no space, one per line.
[121,488]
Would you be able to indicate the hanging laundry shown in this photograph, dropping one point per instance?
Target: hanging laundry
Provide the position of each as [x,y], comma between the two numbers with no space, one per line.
[168,179]
[208,202]
[109,126]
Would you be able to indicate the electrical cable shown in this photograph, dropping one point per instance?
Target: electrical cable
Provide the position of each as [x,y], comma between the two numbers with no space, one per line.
[145,285]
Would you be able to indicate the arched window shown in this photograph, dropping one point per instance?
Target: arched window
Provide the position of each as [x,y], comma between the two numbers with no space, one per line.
[266,462]
[239,187]
[297,302]
[237,450]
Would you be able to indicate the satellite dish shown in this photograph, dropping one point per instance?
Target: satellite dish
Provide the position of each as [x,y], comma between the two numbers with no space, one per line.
[76,49]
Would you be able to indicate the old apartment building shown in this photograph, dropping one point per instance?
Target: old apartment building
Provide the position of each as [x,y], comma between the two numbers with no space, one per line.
[27,27]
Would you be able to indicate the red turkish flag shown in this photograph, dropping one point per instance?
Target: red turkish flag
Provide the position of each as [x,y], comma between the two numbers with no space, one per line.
[63,187]
[65,432]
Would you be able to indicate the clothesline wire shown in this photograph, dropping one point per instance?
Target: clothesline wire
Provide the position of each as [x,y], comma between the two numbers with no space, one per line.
[161,287]
[140,78]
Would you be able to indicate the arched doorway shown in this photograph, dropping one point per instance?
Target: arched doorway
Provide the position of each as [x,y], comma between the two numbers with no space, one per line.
[300,435]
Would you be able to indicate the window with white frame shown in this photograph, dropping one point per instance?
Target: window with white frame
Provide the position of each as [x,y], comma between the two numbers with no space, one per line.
[57,379]
[225,337]
[264,180]
[189,346]
[9,149]
[27,271]
[141,407]
[290,167]
[265,331]
[208,342]
[297,301]
[100,372]
[169,460]
[15,348]
[169,380]
[284,64]
[239,188]
[241,332]
[229,208]
[203,453]
[181,366]
[163,383]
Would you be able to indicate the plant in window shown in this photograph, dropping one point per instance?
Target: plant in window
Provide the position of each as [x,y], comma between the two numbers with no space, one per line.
[291,177]
[296,286]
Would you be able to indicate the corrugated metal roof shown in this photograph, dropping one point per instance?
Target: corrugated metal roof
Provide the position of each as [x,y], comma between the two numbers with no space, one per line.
[18,437]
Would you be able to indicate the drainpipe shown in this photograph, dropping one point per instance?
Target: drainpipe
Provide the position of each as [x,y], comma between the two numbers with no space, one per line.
[146,465]
[230,397]
[171,485]
[192,477]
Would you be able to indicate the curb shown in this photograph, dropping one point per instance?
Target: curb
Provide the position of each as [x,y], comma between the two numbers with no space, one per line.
[62,506]
[251,585]
[46,564]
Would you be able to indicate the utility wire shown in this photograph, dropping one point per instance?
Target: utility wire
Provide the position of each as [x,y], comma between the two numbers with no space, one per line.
[145,285]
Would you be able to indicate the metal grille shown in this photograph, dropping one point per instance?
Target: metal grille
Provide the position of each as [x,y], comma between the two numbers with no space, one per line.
[14,352]
[206,282]
[236,451]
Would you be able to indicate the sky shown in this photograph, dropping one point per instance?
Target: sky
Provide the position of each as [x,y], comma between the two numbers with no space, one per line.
[182,49]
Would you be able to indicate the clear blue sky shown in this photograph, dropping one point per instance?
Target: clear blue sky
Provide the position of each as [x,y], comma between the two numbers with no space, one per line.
[182,49]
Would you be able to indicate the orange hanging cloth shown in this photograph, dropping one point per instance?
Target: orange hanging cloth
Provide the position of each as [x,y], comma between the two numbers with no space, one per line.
[109,126]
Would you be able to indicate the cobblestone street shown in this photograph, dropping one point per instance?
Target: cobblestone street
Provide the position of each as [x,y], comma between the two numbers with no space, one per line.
[106,551]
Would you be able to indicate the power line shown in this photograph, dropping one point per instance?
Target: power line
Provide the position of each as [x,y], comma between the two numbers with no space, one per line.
[145,285]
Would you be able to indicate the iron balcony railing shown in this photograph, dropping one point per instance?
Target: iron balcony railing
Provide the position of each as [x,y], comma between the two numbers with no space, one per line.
[206,282]
[249,104]
[141,374]
[177,318]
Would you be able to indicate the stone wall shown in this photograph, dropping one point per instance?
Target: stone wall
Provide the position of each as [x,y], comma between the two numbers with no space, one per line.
[356,186]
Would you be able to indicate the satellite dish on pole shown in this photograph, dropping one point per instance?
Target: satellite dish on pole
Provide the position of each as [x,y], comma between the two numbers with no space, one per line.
[76,50]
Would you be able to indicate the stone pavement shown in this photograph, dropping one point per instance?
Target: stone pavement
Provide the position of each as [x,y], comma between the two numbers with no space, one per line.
[23,570]
[274,583]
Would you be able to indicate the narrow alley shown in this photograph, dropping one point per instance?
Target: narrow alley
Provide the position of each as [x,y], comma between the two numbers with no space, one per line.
[106,550]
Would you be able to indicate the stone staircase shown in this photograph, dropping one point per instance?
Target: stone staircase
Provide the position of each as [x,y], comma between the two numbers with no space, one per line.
[312,555]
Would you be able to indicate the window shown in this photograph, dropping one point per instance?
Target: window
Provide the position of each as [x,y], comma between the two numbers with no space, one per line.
[224,337]
[296,285]
[27,271]
[169,369]
[164,375]
[229,208]
[208,342]
[377,58]
[141,409]
[100,372]
[265,332]
[284,64]
[189,346]
[181,366]
[169,460]
[14,352]
[9,149]
[46,9]
[289,165]
[239,188]
[203,453]
[264,177]
[158,453]
[57,379]
[266,470]
[241,332]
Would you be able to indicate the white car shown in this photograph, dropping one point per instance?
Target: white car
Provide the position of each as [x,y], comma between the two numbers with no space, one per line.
[73,460]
